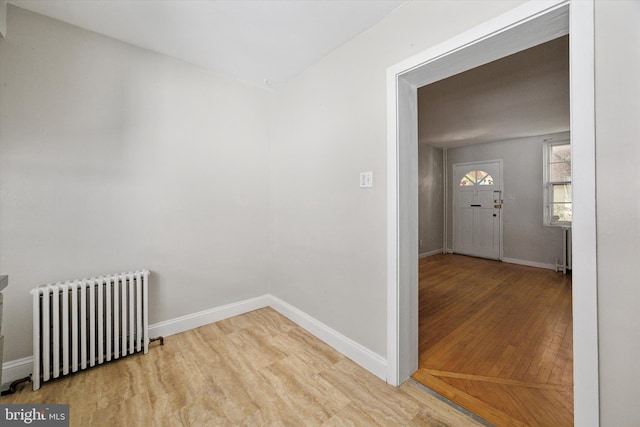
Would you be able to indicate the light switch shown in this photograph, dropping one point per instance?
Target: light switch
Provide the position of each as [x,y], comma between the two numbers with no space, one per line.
[366,179]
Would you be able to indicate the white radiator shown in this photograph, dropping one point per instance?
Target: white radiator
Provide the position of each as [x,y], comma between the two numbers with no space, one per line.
[567,249]
[85,322]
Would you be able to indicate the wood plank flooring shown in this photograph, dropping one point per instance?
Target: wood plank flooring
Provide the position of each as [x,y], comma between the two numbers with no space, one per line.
[496,339]
[255,369]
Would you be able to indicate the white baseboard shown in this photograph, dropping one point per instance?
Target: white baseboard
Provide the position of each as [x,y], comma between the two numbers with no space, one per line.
[364,357]
[201,318]
[16,369]
[373,362]
[430,253]
[529,263]
[523,262]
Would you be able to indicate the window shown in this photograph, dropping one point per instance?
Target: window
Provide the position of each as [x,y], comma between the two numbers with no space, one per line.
[476,178]
[557,185]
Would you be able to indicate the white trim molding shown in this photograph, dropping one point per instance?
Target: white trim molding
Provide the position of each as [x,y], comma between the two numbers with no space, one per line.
[586,382]
[364,357]
[529,263]
[430,253]
[205,317]
[3,18]
[531,24]
[16,369]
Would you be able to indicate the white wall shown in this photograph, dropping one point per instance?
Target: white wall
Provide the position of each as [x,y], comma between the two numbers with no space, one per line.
[617,158]
[114,158]
[329,124]
[524,236]
[430,198]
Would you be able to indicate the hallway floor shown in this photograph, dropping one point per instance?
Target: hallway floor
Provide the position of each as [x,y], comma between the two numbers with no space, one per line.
[496,338]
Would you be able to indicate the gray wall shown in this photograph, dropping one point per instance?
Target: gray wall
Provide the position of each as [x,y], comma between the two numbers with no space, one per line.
[524,236]
[329,124]
[430,198]
[113,158]
[618,212]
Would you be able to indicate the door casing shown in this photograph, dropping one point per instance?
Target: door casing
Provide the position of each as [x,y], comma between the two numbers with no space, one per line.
[533,23]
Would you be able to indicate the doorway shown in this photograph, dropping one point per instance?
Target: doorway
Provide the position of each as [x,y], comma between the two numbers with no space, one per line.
[519,29]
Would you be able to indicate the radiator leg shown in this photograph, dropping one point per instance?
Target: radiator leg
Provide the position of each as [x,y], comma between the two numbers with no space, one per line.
[161,339]
[14,386]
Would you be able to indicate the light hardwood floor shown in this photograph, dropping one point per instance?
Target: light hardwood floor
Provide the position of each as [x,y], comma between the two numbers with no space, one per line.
[255,369]
[496,338]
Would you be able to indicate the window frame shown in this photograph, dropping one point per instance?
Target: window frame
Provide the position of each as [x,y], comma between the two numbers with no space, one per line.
[548,184]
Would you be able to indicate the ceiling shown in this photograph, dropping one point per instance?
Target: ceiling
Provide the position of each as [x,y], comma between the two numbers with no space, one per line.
[263,42]
[268,42]
[521,95]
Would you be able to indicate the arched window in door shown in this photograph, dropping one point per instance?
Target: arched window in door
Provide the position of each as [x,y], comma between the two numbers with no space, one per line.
[476,178]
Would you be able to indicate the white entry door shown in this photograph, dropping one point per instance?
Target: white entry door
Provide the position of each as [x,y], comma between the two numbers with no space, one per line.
[477,209]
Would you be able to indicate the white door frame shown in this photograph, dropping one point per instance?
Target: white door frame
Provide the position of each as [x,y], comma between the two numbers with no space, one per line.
[526,26]
[500,163]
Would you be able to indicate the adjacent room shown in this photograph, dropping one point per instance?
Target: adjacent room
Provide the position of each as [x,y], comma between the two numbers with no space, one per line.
[202,205]
[494,182]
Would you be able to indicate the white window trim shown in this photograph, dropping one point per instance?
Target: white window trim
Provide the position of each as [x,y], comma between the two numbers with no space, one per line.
[547,184]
